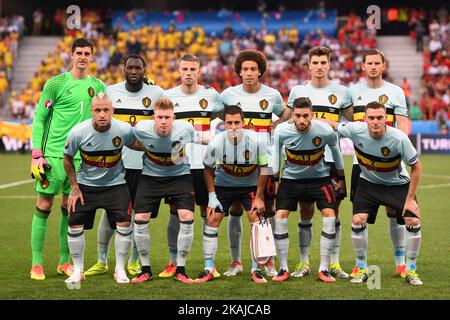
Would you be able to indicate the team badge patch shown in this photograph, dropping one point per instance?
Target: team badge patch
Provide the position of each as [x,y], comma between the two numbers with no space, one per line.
[385,151]
[203,103]
[45,184]
[91,92]
[48,103]
[116,141]
[176,145]
[247,155]
[332,98]
[317,141]
[383,98]
[264,104]
[146,102]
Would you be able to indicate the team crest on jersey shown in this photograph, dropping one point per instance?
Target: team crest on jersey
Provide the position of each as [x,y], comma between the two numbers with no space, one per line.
[317,141]
[176,145]
[264,104]
[247,155]
[45,184]
[383,98]
[146,102]
[332,98]
[203,103]
[385,151]
[48,103]
[91,92]
[116,141]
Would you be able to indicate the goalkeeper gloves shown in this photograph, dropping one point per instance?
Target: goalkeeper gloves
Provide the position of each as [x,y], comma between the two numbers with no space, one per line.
[39,165]
[213,202]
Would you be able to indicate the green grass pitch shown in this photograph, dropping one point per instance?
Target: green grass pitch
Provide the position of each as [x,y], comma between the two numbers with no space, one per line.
[17,204]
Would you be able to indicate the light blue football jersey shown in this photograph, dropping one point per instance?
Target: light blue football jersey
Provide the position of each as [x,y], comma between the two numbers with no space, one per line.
[101,152]
[132,107]
[381,159]
[305,152]
[327,102]
[196,108]
[237,163]
[165,156]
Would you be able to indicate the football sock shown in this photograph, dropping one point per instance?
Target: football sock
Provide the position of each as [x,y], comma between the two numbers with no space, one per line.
[122,244]
[142,238]
[104,235]
[134,255]
[64,252]
[76,244]
[173,229]
[38,230]
[359,240]
[304,230]
[337,243]
[210,240]
[397,232]
[413,239]
[282,241]
[184,243]
[327,241]
[235,236]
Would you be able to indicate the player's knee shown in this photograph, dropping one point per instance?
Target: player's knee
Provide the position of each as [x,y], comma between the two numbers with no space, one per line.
[359,219]
[45,203]
[141,217]
[412,222]
[123,224]
[185,215]
[282,214]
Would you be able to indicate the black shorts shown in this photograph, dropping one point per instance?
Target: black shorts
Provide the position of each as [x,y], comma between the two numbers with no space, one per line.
[370,196]
[334,176]
[356,172]
[201,193]
[115,200]
[151,190]
[320,191]
[132,178]
[228,195]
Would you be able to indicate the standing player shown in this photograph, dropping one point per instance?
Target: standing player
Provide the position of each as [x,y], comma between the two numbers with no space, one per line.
[133,100]
[329,101]
[166,174]
[380,150]
[235,161]
[194,103]
[64,102]
[306,179]
[100,183]
[393,98]
[258,102]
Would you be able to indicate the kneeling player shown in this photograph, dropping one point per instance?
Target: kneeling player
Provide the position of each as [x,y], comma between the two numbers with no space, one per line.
[234,162]
[306,179]
[380,150]
[100,183]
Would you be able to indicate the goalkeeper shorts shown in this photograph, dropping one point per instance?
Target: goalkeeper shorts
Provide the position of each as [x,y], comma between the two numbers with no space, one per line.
[56,177]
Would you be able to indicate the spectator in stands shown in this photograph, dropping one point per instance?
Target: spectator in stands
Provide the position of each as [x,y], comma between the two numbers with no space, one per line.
[38,18]
[407,89]
[442,120]
[419,32]
[3,88]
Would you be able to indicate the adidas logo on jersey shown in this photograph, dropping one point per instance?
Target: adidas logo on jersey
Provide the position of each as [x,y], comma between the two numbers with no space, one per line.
[89,144]
[204,114]
[118,101]
[177,105]
[359,98]
[68,91]
[361,145]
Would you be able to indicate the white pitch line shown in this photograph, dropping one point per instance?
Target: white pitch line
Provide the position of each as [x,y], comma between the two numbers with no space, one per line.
[434,186]
[15,184]
[17,197]
[430,175]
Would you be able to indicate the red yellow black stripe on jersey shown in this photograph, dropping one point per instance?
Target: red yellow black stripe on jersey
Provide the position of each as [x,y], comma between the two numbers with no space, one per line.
[132,116]
[101,159]
[378,164]
[360,111]
[239,170]
[201,120]
[326,112]
[305,157]
[258,121]
[163,159]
